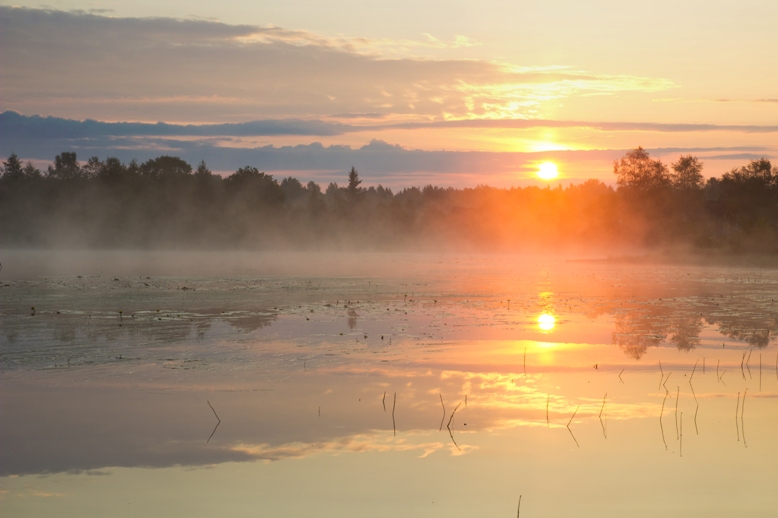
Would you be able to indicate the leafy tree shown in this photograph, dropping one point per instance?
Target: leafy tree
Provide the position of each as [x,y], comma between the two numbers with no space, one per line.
[313,187]
[112,171]
[66,167]
[293,189]
[748,196]
[758,172]
[687,173]
[166,167]
[92,167]
[252,185]
[636,171]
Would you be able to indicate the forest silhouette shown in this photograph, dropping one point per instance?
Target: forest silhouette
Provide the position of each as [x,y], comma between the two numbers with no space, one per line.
[166,203]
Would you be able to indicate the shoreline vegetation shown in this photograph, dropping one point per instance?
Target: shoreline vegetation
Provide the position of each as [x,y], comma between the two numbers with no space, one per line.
[164,203]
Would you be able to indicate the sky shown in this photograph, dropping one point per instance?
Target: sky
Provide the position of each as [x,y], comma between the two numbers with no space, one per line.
[456,93]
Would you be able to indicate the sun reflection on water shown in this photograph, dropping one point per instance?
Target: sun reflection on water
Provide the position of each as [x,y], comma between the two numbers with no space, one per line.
[546,322]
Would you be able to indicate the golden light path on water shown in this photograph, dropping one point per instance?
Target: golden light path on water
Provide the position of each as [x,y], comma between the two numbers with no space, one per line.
[415,396]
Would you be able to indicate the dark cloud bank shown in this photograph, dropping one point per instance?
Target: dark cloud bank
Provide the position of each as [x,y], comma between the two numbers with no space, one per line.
[44,137]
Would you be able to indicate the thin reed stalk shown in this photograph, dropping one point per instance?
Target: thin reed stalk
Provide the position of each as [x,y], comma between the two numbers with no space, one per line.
[444,413]
[737,409]
[568,426]
[394,404]
[601,410]
[677,396]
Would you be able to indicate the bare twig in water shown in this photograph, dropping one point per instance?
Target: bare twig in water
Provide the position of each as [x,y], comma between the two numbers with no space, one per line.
[695,419]
[677,393]
[717,370]
[383,401]
[622,372]
[568,426]
[662,374]
[448,426]
[760,372]
[394,428]
[319,411]
[444,413]
[742,410]
[518,512]
[737,408]
[666,380]
[661,413]
[680,447]
[219,421]
[662,428]
[748,360]
[548,422]
[693,369]
[525,361]
[742,360]
[601,410]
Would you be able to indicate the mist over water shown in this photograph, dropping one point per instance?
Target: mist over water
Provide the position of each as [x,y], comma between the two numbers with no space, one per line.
[420,381]
[165,203]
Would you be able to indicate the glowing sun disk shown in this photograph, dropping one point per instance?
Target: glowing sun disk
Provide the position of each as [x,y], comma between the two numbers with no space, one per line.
[547,171]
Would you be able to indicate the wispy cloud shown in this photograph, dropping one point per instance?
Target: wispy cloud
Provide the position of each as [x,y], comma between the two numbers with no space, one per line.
[198,71]
[719,100]
[15,125]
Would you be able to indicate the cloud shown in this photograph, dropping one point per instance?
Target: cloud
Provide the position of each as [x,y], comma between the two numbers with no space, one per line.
[222,147]
[378,161]
[720,100]
[15,125]
[70,63]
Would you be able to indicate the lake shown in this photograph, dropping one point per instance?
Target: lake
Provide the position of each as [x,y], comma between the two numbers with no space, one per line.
[333,384]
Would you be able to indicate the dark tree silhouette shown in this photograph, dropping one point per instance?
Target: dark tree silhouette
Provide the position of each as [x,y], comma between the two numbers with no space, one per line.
[166,167]
[163,202]
[66,167]
[637,171]
[353,190]
[12,168]
[687,173]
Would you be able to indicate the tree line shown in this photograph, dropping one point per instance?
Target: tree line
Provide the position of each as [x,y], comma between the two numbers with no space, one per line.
[166,203]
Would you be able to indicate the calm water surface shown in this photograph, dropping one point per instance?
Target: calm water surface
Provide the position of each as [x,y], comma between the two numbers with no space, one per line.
[394,385]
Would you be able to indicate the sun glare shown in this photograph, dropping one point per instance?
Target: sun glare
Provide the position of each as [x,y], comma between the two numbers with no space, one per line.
[546,322]
[547,171]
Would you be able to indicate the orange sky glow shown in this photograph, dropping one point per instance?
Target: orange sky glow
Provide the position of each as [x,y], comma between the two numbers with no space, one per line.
[596,81]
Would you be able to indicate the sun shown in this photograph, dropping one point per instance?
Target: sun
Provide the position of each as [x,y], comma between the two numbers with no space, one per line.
[546,322]
[547,171]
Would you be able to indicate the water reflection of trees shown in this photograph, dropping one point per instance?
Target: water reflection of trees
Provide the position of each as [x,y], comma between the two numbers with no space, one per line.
[637,330]
[80,337]
[753,330]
